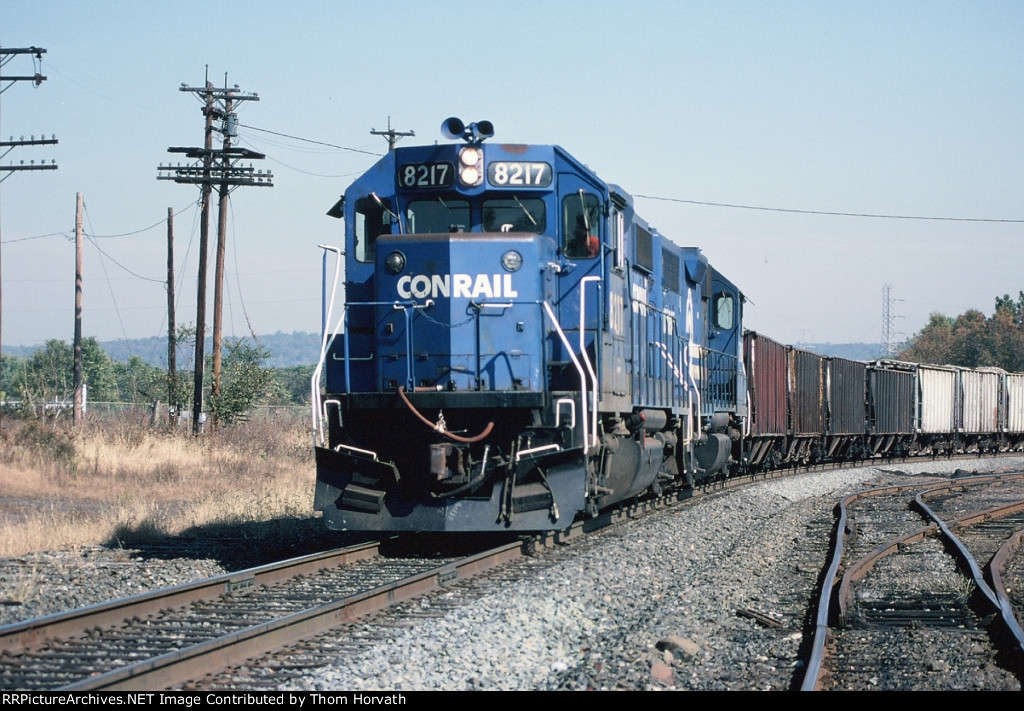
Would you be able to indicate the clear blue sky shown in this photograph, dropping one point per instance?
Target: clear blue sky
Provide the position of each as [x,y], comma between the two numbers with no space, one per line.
[887,108]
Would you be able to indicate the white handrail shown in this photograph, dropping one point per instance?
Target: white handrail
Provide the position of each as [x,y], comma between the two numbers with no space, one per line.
[543,448]
[579,369]
[572,411]
[583,349]
[695,429]
[314,381]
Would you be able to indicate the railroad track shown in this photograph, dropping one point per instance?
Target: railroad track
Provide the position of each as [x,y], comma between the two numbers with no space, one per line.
[201,634]
[912,584]
[168,637]
[154,654]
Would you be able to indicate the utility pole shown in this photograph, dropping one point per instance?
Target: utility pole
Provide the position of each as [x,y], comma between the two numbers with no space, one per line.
[229,131]
[172,346]
[79,378]
[6,82]
[393,135]
[214,167]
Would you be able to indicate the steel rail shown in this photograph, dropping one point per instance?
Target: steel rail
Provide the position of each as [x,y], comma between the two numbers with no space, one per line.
[996,565]
[821,624]
[999,601]
[175,668]
[812,673]
[76,623]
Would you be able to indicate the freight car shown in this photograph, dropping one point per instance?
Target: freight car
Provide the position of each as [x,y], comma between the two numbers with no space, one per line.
[517,348]
[807,409]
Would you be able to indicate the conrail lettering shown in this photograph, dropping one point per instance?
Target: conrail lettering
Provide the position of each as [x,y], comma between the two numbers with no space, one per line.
[458,286]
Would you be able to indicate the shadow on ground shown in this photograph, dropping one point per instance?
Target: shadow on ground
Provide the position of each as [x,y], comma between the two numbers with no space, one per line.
[234,546]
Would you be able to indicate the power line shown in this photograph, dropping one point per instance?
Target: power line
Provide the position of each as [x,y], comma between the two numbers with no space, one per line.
[825,212]
[138,276]
[95,236]
[29,239]
[309,140]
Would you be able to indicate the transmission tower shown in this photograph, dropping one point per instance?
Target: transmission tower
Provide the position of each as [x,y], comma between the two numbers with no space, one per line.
[214,167]
[889,335]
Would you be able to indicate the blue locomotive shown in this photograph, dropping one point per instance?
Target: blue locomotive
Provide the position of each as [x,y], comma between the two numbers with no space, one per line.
[516,346]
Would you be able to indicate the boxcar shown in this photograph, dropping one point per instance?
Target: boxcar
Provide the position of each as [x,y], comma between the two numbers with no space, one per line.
[766,366]
[845,415]
[1013,409]
[891,403]
[938,408]
[806,405]
[981,395]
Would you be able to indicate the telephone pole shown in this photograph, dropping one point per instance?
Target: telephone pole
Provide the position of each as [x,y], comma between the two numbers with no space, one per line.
[393,135]
[77,410]
[173,408]
[6,55]
[214,167]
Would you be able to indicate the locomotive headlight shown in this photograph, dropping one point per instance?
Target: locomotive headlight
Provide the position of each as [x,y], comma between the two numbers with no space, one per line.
[511,261]
[469,176]
[471,161]
[395,262]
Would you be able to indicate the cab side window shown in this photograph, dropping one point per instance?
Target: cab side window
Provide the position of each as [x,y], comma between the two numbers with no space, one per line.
[372,219]
[725,311]
[581,225]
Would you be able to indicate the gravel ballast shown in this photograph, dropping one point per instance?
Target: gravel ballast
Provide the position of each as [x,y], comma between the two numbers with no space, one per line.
[711,595]
[664,604]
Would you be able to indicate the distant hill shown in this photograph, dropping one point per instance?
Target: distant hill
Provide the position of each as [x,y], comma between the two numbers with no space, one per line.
[302,348]
[286,349]
[850,351]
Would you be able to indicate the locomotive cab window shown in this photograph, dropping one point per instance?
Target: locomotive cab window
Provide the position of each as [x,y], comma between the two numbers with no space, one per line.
[619,237]
[437,216]
[373,219]
[725,311]
[514,214]
[581,225]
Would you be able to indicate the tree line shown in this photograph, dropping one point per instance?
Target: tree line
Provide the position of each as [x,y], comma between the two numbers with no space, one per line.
[973,340]
[47,377]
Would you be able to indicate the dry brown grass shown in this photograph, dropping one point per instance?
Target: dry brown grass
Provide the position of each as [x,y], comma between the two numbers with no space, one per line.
[119,480]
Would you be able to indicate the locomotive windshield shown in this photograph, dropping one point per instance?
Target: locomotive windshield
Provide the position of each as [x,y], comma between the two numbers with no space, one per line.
[514,214]
[437,216]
